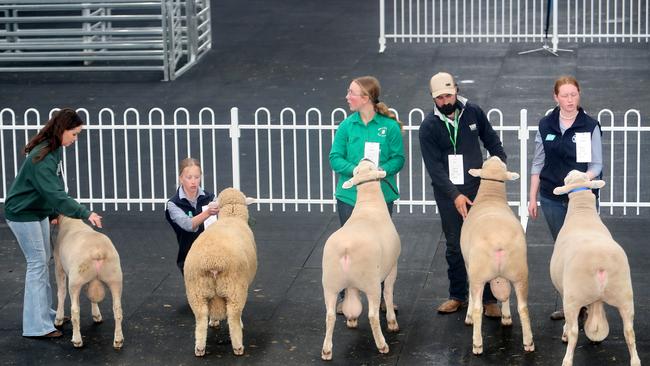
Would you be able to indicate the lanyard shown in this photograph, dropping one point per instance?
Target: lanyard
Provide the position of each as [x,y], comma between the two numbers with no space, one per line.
[447,123]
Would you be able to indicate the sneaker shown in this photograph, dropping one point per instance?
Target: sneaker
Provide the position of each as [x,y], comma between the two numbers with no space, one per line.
[492,310]
[450,306]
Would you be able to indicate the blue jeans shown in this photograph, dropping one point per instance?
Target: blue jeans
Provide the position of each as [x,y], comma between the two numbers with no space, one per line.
[34,240]
[554,213]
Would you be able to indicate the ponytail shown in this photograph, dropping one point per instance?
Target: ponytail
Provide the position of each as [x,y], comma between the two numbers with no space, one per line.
[382,108]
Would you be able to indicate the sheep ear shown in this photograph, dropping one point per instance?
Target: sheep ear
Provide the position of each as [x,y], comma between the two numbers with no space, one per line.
[475,172]
[595,184]
[250,200]
[348,183]
[560,190]
[513,176]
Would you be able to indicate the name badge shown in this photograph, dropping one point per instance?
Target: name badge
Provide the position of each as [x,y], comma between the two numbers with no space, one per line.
[583,147]
[456,171]
[371,152]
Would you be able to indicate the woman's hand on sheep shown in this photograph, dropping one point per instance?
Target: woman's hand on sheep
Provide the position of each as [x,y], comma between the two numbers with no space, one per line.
[213,209]
[95,219]
[532,208]
[461,203]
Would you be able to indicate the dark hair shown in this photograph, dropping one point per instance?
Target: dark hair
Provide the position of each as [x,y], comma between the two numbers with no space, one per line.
[63,120]
[370,87]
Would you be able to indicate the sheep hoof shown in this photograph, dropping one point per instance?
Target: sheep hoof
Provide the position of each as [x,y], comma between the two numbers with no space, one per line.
[565,338]
[326,355]
[238,351]
[393,326]
[77,344]
[58,322]
[97,319]
[384,349]
[214,324]
[352,323]
[199,352]
[506,321]
[117,344]
[529,347]
[477,350]
[468,320]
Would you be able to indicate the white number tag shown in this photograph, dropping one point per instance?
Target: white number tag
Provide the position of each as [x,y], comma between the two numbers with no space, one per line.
[371,152]
[456,170]
[583,147]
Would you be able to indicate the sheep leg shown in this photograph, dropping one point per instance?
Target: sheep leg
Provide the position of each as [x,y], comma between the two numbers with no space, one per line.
[571,331]
[352,307]
[627,314]
[60,291]
[521,290]
[330,318]
[116,292]
[506,316]
[374,299]
[201,329]
[389,284]
[234,310]
[75,290]
[470,306]
[476,290]
[97,314]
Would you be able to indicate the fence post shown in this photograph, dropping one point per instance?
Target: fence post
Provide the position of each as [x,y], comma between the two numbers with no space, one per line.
[235,133]
[523,167]
[382,26]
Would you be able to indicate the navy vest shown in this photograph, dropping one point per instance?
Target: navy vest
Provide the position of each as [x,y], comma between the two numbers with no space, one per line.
[560,151]
[186,238]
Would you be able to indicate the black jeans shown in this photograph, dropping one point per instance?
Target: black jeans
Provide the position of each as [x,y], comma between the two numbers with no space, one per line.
[345,211]
[452,223]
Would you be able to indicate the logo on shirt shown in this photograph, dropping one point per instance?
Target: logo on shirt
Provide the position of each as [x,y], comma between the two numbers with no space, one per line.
[573,139]
[381,132]
[472,127]
[59,169]
[550,137]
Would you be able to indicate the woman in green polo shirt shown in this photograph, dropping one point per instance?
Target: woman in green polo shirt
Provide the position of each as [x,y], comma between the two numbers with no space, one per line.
[370,132]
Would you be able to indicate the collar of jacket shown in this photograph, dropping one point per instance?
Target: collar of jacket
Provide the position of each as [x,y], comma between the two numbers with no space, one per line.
[459,98]
[555,118]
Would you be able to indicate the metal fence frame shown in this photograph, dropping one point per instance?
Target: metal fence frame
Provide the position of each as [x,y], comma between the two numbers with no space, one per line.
[129,150]
[104,35]
[512,21]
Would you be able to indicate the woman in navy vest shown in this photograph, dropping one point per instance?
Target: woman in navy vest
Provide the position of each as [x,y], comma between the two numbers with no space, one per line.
[184,210]
[567,139]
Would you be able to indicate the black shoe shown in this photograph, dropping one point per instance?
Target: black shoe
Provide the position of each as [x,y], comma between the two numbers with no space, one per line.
[557,315]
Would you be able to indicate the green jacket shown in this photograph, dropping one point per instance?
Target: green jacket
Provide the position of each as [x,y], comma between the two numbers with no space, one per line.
[348,148]
[38,191]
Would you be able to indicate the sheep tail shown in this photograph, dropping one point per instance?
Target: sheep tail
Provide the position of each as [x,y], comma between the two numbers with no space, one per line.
[596,325]
[345,261]
[95,291]
[214,265]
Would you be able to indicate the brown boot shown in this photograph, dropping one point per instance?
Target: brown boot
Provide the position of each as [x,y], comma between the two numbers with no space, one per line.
[492,310]
[339,307]
[450,306]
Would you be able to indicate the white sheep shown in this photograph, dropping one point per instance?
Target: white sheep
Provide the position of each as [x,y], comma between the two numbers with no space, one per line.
[219,268]
[359,256]
[589,268]
[86,256]
[493,244]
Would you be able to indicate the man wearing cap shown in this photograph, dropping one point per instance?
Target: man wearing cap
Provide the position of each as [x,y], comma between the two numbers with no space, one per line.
[449,141]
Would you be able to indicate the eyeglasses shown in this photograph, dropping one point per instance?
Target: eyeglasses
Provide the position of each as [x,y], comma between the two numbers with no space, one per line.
[349,92]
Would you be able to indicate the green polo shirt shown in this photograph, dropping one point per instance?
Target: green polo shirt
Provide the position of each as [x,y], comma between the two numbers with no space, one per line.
[348,148]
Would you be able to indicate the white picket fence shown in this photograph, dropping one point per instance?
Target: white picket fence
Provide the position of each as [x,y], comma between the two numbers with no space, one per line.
[131,159]
[512,21]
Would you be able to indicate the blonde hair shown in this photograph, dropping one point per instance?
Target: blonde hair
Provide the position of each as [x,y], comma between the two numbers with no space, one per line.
[370,87]
[186,163]
[563,80]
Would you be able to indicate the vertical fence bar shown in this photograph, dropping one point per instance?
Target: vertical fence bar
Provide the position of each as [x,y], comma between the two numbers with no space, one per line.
[382,25]
[523,167]
[235,134]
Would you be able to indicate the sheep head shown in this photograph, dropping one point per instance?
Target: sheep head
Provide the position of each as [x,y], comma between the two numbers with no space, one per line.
[365,171]
[576,180]
[494,169]
[232,203]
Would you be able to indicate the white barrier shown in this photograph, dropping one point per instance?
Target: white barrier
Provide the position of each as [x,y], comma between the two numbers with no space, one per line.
[511,21]
[132,158]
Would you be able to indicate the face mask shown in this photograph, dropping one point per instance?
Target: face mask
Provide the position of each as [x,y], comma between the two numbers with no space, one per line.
[447,109]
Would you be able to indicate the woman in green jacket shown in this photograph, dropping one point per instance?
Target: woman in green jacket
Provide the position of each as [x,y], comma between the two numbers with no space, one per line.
[37,194]
[372,132]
